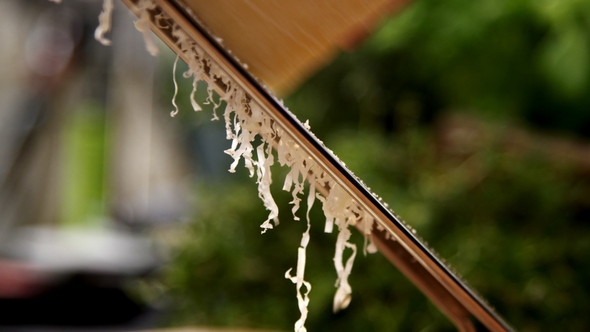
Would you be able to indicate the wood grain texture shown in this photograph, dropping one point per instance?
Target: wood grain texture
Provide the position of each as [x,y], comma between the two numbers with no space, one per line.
[283,42]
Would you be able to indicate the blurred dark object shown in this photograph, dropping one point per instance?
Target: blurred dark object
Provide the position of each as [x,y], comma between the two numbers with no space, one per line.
[79,301]
[74,278]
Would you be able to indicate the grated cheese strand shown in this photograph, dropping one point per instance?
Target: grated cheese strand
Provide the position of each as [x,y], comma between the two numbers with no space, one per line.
[265,160]
[367,228]
[298,279]
[143,25]
[211,100]
[194,104]
[344,290]
[302,298]
[104,22]
[340,209]
[173,113]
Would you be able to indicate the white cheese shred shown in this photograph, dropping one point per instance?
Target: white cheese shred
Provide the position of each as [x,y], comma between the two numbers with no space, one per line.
[104,22]
[143,25]
[265,160]
[298,279]
[343,292]
[173,113]
[340,209]
[302,297]
[194,104]
[367,228]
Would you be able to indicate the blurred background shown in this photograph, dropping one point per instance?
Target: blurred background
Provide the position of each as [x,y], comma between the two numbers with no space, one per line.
[470,118]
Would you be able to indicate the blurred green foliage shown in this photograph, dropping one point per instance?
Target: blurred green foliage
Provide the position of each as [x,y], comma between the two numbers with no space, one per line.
[501,58]
[514,224]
